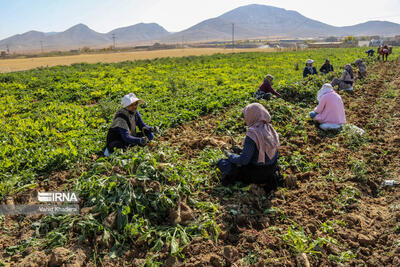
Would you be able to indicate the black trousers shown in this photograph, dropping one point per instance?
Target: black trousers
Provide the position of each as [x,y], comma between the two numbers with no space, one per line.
[120,144]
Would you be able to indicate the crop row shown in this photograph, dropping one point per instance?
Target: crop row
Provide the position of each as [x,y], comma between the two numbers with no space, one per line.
[54,117]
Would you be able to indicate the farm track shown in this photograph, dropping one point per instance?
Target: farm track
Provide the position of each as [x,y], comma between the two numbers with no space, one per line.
[370,222]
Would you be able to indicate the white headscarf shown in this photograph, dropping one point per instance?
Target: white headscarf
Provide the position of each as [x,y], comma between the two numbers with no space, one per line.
[326,88]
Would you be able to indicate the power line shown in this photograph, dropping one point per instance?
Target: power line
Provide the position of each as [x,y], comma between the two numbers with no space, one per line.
[233,35]
[113,37]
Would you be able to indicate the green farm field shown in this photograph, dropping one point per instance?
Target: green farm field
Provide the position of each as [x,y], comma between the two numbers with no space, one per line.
[163,205]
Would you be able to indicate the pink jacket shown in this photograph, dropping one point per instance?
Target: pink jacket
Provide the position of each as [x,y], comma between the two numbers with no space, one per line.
[330,109]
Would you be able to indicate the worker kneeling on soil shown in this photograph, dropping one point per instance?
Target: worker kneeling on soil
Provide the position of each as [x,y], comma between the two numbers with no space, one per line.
[309,69]
[362,68]
[265,91]
[327,67]
[345,82]
[330,110]
[257,163]
[122,132]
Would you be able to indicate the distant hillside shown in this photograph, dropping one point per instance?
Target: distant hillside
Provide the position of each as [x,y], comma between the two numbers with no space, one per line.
[384,28]
[78,35]
[81,35]
[28,40]
[251,21]
[139,32]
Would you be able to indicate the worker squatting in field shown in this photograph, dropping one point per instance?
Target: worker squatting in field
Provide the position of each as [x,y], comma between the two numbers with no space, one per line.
[327,67]
[330,112]
[345,82]
[258,161]
[362,68]
[309,69]
[265,91]
[122,132]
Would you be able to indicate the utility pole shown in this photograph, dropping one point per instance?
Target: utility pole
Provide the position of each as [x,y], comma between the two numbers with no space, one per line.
[41,46]
[183,39]
[8,49]
[233,35]
[113,37]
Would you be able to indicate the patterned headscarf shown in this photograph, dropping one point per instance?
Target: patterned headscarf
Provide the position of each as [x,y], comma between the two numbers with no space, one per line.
[326,88]
[349,70]
[260,130]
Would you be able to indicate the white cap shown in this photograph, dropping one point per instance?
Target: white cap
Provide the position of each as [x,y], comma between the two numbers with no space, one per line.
[269,76]
[129,99]
[309,61]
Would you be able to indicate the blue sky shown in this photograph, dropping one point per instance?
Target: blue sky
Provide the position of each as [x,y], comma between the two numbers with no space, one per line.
[19,16]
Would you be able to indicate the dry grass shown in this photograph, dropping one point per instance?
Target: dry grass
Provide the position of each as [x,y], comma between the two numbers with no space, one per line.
[9,65]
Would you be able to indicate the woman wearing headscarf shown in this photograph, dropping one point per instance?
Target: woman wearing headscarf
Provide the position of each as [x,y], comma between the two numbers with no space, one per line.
[265,91]
[345,82]
[327,67]
[309,68]
[330,110]
[362,68]
[257,163]
[122,132]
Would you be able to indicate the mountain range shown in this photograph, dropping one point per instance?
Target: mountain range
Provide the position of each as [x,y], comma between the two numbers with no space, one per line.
[251,21]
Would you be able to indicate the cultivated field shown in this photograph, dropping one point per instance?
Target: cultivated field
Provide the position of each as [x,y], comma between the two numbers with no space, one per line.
[9,65]
[163,205]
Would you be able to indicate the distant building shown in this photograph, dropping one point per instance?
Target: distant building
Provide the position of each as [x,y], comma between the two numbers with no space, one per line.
[376,42]
[3,53]
[325,45]
[363,43]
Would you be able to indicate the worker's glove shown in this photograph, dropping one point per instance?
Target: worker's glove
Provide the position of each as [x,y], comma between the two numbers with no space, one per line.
[153,129]
[313,114]
[142,141]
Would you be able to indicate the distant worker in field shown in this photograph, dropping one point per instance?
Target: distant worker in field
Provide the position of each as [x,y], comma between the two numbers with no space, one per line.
[309,68]
[345,82]
[258,161]
[362,68]
[122,132]
[265,91]
[327,67]
[330,110]
[384,51]
[370,52]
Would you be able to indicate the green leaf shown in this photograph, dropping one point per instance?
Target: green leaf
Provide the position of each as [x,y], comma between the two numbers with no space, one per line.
[174,246]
